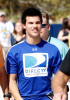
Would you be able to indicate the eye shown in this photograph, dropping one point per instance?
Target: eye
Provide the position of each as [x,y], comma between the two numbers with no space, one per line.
[30,22]
[38,22]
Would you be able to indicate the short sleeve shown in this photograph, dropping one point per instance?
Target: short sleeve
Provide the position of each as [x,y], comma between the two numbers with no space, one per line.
[10,64]
[56,62]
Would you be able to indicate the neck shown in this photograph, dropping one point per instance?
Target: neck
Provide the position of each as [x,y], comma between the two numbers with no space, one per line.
[19,34]
[45,37]
[33,40]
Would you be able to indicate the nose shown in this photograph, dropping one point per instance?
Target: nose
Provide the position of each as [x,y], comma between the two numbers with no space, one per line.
[35,25]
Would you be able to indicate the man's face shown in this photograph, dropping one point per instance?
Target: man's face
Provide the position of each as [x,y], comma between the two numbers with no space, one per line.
[33,26]
[45,28]
[3,18]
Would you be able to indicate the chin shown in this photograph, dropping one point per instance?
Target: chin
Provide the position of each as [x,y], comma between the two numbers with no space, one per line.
[35,36]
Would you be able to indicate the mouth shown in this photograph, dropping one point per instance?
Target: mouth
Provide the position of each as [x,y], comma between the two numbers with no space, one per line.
[35,31]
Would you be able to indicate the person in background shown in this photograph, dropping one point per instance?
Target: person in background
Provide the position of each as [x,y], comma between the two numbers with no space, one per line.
[65,31]
[61,78]
[18,33]
[63,48]
[3,77]
[32,62]
[6,28]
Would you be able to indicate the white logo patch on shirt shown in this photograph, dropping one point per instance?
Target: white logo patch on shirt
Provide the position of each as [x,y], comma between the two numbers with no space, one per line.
[35,64]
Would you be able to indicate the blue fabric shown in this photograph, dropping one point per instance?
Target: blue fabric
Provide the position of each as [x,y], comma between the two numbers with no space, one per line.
[54,30]
[44,97]
[34,65]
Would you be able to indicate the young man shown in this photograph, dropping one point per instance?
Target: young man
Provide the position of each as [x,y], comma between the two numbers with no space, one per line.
[61,78]
[32,61]
[63,48]
[3,77]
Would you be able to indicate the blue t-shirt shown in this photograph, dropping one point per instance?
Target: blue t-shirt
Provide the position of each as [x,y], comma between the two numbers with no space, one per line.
[34,66]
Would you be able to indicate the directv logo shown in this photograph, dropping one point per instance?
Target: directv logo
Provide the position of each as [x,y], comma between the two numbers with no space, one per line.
[35,70]
[35,64]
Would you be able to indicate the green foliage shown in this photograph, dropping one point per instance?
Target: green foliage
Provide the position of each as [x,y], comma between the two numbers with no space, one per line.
[55,7]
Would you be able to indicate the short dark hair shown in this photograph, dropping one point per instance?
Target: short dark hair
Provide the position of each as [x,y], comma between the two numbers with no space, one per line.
[46,15]
[30,12]
[65,23]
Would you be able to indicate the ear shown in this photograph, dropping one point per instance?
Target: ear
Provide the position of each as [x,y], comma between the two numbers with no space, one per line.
[24,26]
[49,27]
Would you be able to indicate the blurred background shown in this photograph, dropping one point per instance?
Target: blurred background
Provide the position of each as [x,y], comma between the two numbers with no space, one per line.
[57,9]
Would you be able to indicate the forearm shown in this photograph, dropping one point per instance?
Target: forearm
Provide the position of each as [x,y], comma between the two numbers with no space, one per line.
[4,81]
[59,83]
[63,38]
[57,87]
[14,90]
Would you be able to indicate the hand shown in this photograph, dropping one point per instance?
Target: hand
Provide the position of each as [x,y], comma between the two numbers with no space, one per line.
[60,96]
[6,98]
[12,98]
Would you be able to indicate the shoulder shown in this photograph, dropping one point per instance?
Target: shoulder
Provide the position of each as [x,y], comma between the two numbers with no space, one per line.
[51,46]
[17,47]
[61,32]
[1,23]
[9,23]
[58,42]
[55,39]
[47,44]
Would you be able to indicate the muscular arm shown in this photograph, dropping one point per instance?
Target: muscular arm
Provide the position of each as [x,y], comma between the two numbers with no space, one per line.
[13,87]
[61,37]
[4,82]
[3,76]
[58,86]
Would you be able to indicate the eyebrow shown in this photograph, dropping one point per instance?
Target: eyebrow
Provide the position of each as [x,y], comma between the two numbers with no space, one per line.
[34,22]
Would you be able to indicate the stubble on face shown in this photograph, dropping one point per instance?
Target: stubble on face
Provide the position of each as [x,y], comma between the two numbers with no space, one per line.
[33,28]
